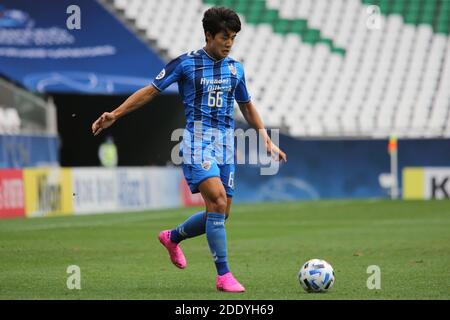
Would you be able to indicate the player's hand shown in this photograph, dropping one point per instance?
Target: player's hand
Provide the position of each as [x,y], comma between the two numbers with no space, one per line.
[103,122]
[275,152]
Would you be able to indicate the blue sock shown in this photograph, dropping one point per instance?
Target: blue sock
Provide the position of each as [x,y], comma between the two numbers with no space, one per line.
[192,227]
[217,241]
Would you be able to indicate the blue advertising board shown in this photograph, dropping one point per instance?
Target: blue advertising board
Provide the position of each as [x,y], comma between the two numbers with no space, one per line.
[70,46]
[326,169]
[18,151]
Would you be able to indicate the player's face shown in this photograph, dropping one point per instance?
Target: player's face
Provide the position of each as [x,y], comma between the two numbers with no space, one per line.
[222,43]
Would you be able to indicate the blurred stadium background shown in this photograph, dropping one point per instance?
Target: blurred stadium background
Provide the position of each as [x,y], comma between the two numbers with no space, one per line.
[338,78]
[359,89]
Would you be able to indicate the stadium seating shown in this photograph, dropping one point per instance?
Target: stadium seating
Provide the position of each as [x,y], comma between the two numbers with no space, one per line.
[327,68]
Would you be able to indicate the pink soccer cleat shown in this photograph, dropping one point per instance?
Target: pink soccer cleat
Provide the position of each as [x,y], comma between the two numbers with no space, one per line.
[175,253]
[228,283]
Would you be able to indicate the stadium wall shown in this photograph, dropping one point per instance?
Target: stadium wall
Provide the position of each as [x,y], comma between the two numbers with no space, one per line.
[315,170]
[323,169]
[45,192]
[18,151]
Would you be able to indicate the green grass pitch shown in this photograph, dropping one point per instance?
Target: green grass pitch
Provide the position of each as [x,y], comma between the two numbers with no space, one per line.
[120,257]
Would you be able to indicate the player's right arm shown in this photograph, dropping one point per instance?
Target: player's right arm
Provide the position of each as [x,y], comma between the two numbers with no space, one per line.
[133,102]
[171,73]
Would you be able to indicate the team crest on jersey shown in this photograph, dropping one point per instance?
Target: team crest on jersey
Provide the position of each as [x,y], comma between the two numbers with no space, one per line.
[232,69]
[161,74]
[206,165]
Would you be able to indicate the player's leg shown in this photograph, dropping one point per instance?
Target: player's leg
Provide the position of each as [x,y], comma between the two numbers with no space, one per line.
[227,177]
[214,195]
[228,210]
[215,198]
[216,201]
[194,225]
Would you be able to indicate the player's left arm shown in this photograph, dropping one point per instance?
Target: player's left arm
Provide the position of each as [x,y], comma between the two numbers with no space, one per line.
[252,117]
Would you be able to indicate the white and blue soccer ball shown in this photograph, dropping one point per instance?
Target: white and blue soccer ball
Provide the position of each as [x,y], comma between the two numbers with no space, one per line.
[316,275]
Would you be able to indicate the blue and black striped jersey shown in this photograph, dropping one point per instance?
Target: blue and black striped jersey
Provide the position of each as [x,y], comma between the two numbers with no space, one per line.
[208,88]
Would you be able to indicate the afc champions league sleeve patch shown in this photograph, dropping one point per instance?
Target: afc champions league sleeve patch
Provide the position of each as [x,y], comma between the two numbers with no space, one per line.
[161,74]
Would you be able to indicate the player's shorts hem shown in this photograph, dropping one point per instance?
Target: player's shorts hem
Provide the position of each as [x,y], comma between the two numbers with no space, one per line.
[194,188]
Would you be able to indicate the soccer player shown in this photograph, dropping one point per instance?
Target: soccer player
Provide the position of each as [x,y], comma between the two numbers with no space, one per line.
[209,82]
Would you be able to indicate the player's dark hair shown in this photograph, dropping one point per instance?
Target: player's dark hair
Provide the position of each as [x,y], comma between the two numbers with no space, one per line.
[217,19]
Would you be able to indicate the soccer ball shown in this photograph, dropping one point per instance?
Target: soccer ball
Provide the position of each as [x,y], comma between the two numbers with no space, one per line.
[316,275]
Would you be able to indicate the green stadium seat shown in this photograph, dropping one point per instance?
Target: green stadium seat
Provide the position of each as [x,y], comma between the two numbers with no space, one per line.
[242,7]
[282,26]
[427,13]
[270,16]
[298,26]
[398,7]
[311,36]
[414,5]
[426,19]
[385,6]
[412,16]
[257,6]
[429,6]
[328,42]
[253,17]
[443,26]
[338,51]
[371,2]
[228,3]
